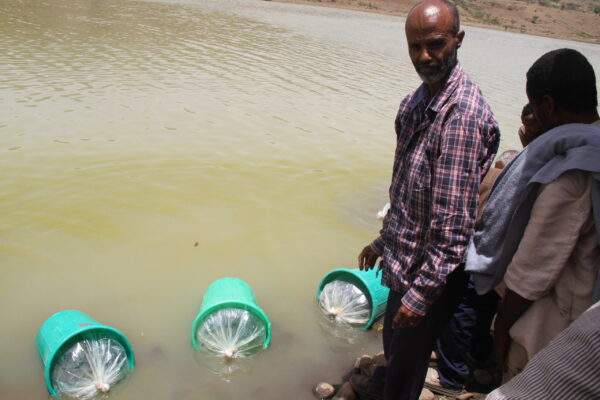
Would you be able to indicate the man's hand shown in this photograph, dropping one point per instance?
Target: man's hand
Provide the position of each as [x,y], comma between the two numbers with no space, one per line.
[367,258]
[406,318]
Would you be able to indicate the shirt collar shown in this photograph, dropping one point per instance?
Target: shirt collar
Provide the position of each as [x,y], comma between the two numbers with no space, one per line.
[419,96]
[440,98]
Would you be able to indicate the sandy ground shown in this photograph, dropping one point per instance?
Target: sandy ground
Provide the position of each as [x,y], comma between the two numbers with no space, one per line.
[563,19]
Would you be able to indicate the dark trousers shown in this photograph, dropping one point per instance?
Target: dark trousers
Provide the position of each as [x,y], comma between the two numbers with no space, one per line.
[407,350]
[468,331]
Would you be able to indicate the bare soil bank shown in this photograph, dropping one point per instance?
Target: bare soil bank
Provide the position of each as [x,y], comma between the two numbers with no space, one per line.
[563,19]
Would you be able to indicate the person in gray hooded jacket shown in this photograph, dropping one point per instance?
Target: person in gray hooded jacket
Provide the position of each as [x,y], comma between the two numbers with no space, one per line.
[540,224]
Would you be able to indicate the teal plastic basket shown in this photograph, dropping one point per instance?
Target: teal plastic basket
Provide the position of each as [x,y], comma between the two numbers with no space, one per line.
[368,282]
[64,329]
[229,293]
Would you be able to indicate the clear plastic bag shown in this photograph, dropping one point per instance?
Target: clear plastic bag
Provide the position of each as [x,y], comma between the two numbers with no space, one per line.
[90,367]
[232,333]
[344,303]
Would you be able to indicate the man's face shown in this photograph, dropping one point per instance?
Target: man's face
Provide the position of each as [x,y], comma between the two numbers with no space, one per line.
[431,44]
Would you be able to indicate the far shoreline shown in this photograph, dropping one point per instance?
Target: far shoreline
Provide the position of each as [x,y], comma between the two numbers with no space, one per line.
[402,10]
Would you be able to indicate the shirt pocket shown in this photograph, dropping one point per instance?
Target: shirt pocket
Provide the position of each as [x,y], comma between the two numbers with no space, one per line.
[420,178]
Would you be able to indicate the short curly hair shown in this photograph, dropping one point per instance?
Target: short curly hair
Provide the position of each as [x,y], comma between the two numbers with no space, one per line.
[566,76]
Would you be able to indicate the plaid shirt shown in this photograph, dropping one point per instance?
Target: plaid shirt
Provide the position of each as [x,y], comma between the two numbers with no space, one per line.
[443,150]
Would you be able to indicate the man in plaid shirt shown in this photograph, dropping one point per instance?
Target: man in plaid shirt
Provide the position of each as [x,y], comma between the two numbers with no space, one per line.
[447,138]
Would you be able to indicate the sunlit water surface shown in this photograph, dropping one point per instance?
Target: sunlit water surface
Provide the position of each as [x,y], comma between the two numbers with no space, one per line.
[149,148]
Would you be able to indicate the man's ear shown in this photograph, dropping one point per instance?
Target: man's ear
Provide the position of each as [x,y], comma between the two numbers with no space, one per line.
[459,38]
[551,110]
[549,104]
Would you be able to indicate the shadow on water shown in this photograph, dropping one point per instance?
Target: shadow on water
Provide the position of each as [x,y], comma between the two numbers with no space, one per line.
[341,337]
[226,368]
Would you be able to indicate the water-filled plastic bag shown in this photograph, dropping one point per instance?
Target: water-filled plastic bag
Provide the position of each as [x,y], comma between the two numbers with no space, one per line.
[232,333]
[91,366]
[344,303]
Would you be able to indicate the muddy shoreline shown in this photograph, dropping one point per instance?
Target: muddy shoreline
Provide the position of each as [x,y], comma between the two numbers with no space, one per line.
[553,20]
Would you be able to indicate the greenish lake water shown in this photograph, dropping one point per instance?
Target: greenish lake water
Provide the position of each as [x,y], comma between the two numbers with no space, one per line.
[149,148]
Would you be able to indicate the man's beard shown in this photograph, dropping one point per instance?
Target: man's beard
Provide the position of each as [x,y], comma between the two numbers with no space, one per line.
[442,68]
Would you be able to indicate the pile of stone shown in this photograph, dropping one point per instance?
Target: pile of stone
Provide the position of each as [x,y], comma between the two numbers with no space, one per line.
[364,365]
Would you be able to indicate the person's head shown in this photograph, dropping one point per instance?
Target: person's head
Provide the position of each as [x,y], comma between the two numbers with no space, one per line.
[504,158]
[526,113]
[561,87]
[434,36]
[531,126]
